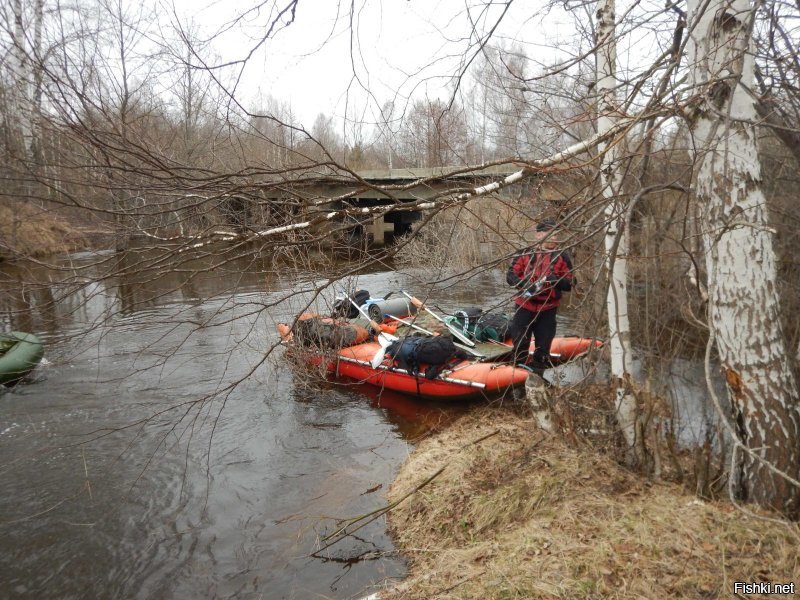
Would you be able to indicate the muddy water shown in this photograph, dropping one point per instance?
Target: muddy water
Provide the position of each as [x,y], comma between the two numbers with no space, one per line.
[159,454]
[164,452]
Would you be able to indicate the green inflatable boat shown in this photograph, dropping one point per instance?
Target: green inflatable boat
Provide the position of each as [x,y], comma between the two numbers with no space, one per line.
[19,355]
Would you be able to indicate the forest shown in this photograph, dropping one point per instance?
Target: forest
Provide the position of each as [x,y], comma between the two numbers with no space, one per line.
[663,139]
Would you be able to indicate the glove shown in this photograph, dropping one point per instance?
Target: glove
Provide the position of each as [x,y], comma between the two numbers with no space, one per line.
[563,284]
[534,288]
[542,285]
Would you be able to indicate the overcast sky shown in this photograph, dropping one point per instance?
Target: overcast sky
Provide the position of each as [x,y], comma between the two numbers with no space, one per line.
[394,50]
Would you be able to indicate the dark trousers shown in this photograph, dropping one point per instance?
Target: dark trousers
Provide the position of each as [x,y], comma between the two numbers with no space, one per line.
[541,325]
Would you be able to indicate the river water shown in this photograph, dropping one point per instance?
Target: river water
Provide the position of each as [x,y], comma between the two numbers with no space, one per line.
[161,453]
[164,451]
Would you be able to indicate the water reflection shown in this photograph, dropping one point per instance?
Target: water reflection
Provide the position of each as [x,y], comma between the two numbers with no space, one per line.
[410,416]
[166,455]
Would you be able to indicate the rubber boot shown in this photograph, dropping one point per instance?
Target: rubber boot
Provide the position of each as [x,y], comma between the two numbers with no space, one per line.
[537,366]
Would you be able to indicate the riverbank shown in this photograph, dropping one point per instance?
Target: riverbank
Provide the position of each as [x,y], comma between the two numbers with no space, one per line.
[28,231]
[516,513]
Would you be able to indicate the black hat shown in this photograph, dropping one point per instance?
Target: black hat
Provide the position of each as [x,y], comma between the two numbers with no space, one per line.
[546,225]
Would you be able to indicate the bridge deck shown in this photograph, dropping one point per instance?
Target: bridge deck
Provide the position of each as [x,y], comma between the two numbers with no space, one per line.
[442,173]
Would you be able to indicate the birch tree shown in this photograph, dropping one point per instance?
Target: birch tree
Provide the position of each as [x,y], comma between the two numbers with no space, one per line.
[744,307]
[20,92]
[385,127]
[616,235]
[24,25]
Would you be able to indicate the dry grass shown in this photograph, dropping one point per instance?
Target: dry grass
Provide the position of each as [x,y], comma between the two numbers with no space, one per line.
[29,231]
[522,515]
[443,243]
[487,229]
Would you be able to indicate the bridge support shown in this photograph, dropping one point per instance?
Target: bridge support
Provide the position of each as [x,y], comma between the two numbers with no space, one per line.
[376,230]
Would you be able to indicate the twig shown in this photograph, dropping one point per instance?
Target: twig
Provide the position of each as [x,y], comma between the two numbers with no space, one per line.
[371,516]
[461,582]
[375,514]
[479,440]
[86,473]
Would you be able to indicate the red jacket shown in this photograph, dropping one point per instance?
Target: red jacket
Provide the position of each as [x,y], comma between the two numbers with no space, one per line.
[552,271]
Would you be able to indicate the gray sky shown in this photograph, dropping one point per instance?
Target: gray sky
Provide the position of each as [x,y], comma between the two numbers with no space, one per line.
[400,49]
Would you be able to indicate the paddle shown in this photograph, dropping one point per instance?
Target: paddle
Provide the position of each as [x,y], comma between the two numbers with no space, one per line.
[423,330]
[454,330]
[384,339]
[410,324]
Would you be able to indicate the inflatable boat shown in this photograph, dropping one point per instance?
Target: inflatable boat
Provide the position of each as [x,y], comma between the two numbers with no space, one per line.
[19,355]
[479,365]
[463,379]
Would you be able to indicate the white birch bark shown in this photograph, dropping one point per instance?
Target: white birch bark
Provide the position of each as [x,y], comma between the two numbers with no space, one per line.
[743,298]
[36,79]
[616,237]
[20,108]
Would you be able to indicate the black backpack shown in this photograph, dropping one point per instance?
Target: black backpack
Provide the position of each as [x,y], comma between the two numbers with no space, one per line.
[493,326]
[344,308]
[411,352]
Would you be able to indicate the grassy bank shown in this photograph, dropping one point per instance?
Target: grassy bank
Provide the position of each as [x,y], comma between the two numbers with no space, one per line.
[516,513]
[27,231]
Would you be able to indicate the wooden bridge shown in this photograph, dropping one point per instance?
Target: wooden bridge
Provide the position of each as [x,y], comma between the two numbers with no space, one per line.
[436,182]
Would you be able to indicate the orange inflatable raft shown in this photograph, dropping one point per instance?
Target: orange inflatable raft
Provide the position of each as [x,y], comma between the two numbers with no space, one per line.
[463,380]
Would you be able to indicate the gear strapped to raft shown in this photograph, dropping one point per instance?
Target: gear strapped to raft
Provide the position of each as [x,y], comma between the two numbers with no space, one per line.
[493,326]
[480,326]
[465,319]
[434,352]
[343,307]
[376,308]
[325,333]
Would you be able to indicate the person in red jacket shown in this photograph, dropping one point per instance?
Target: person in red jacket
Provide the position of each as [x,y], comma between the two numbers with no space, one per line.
[541,273]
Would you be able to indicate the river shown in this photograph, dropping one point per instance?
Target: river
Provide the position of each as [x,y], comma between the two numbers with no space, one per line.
[159,453]
[164,452]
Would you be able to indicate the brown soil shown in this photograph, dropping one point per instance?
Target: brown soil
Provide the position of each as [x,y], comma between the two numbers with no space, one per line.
[520,514]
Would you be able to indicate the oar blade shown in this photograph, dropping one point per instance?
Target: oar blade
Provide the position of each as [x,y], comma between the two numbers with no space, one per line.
[378,358]
[384,342]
